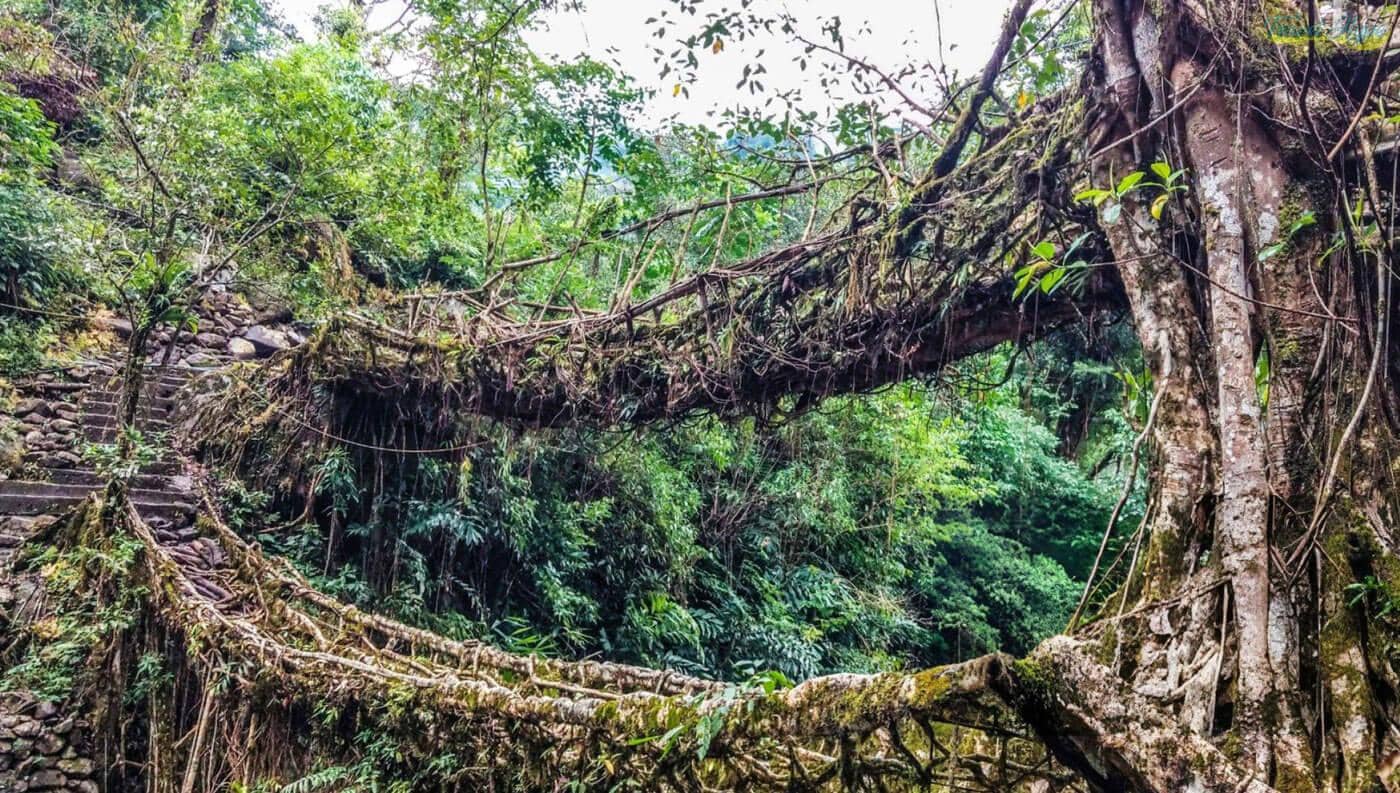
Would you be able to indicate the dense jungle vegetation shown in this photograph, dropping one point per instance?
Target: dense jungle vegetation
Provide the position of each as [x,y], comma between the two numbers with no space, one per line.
[930,522]
[395,405]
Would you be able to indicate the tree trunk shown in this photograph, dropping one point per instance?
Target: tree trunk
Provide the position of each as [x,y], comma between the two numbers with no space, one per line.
[1236,617]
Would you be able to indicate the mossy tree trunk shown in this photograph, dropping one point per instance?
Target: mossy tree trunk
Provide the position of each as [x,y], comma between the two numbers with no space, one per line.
[1271,423]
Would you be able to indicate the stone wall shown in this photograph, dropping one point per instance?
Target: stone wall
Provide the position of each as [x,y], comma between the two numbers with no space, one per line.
[43,749]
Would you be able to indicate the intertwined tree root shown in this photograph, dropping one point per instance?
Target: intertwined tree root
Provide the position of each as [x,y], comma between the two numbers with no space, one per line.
[294,680]
[891,287]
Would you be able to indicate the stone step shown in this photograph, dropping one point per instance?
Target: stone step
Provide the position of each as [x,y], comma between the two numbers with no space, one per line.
[161,393]
[89,478]
[60,490]
[161,507]
[106,403]
[102,405]
[158,393]
[156,468]
[107,425]
[60,387]
[146,409]
[174,375]
[108,435]
[101,402]
[99,421]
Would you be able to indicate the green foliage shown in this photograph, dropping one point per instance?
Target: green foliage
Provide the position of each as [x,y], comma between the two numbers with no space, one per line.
[110,463]
[26,137]
[1378,600]
[1050,269]
[1303,221]
[318,780]
[904,528]
[244,507]
[91,601]
[22,346]
[32,251]
[909,527]
[1110,199]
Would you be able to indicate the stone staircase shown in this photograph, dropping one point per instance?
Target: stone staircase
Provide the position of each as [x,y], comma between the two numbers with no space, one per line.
[58,415]
[42,748]
[64,415]
[63,412]
[53,481]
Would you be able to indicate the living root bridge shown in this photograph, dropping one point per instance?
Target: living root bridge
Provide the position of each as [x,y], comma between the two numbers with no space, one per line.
[896,287]
[288,681]
[726,362]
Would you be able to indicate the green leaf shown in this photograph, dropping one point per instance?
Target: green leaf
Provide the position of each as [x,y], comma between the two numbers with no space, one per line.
[1111,213]
[1304,220]
[1047,284]
[1044,249]
[1023,280]
[1129,182]
[1162,170]
[1092,194]
[1074,245]
[1158,204]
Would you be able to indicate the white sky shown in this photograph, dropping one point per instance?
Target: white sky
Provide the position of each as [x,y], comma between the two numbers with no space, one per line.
[886,33]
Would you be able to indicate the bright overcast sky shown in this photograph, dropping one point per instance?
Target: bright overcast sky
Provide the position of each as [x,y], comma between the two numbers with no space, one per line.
[886,33]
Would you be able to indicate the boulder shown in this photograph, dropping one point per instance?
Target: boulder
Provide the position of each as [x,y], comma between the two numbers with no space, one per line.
[266,340]
[212,341]
[27,728]
[64,460]
[242,349]
[49,744]
[36,762]
[267,314]
[116,325]
[31,405]
[78,766]
[47,780]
